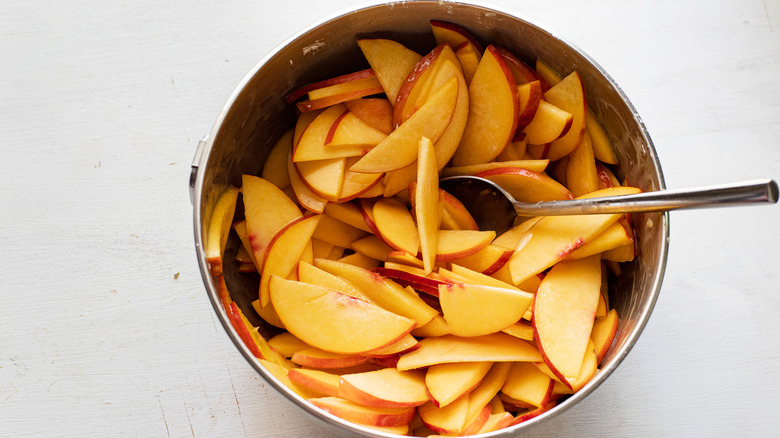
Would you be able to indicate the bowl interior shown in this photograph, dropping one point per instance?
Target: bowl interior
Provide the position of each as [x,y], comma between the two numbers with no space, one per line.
[256,115]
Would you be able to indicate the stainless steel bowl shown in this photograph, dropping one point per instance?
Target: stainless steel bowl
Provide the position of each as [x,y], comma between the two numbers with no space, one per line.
[256,115]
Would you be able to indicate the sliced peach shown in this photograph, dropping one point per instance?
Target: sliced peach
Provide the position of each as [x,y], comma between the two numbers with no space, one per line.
[350,131]
[357,413]
[311,144]
[285,251]
[448,420]
[602,147]
[396,225]
[385,388]
[604,330]
[275,165]
[549,123]
[340,93]
[219,227]
[532,165]
[522,72]
[358,184]
[281,373]
[305,195]
[332,321]
[349,77]
[616,235]
[427,203]
[453,34]
[456,244]
[530,96]
[487,389]
[526,383]
[391,61]
[319,381]
[450,381]
[457,212]
[488,260]
[521,329]
[287,344]
[469,57]
[475,310]
[564,311]
[337,232]
[526,185]
[375,112]
[262,222]
[251,338]
[493,110]
[320,359]
[323,177]
[496,347]
[347,212]
[568,95]
[581,173]
[308,273]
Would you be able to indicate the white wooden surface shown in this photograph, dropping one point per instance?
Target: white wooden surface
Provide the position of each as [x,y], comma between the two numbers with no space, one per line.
[105,328]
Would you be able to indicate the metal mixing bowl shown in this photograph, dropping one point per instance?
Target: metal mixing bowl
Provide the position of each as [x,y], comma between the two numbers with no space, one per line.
[256,115]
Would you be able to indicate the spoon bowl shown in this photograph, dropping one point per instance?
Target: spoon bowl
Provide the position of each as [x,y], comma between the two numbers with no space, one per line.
[493,208]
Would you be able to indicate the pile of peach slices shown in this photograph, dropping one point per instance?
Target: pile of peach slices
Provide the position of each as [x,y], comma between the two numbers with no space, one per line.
[394,311]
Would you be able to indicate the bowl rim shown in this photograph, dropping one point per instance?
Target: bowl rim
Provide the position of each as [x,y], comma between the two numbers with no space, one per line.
[196,183]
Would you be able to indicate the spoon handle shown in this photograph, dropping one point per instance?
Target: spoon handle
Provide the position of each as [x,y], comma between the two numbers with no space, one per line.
[741,193]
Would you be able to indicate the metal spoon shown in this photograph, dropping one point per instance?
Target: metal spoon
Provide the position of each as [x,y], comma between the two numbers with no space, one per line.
[493,208]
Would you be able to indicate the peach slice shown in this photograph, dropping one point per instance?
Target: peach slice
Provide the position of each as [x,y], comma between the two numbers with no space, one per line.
[336,232]
[427,204]
[447,420]
[602,147]
[533,165]
[547,73]
[456,244]
[528,384]
[496,422]
[251,338]
[521,329]
[616,235]
[321,382]
[349,77]
[405,103]
[305,196]
[450,139]
[375,112]
[568,95]
[396,226]
[488,260]
[581,173]
[604,330]
[522,72]
[285,251]
[381,290]
[456,212]
[564,311]
[323,177]
[398,180]
[286,344]
[358,184]
[533,413]
[385,388]
[340,93]
[411,276]
[333,321]
[468,57]
[281,374]
[587,371]
[487,389]
[357,413]
[476,310]
[549,123]
[530,96]
[526,185]
[450,381]
[311,144]
[315,358]
[473,426]
[404,345]
[275,165]
[496,347]
[399,149]
[347,212]
[219,227]
[308,273]
[372,246]
[453,34]
[349,131]
[493,110]
[262,222]
[516,150]
[552,239]
[360,260]
[391,62]
[436,327]
[267,313]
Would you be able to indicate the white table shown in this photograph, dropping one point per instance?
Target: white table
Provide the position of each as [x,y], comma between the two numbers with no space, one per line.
[105,328]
